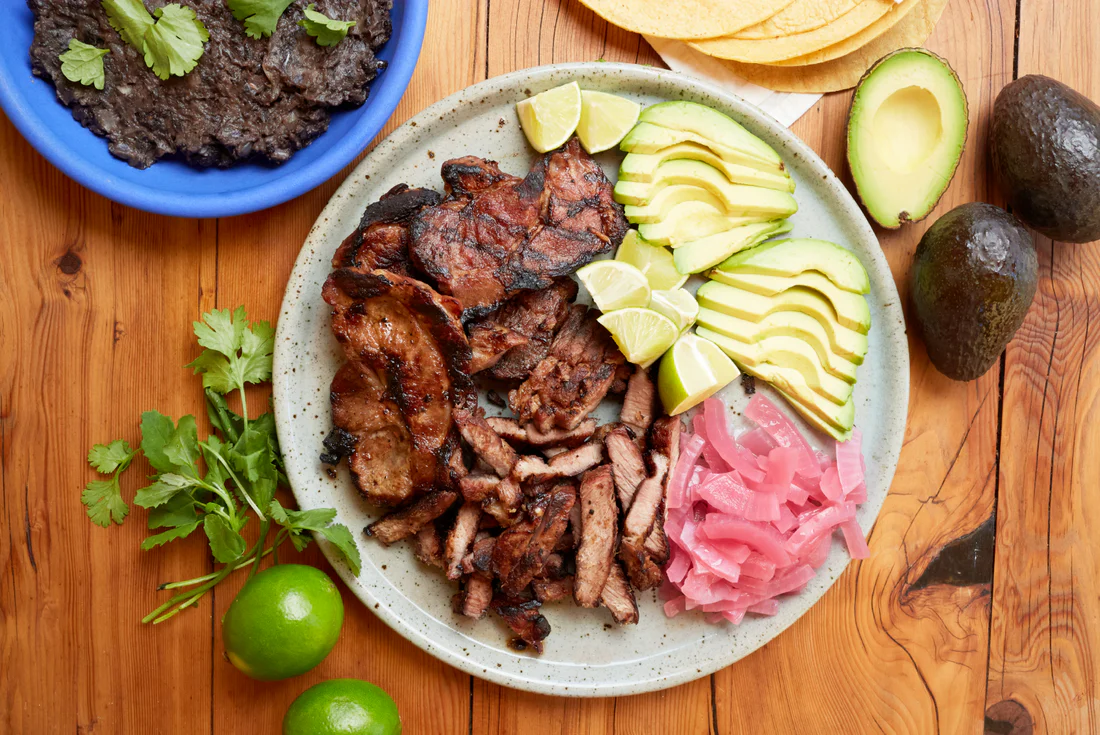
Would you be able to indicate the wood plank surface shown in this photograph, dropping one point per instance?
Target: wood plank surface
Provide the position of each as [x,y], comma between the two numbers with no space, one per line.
[1044,668]
[97,303]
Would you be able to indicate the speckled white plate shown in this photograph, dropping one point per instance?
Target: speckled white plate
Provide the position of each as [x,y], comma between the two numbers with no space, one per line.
[585,655]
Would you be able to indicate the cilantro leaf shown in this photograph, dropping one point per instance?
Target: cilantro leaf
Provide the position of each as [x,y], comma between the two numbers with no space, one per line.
[340,537]
[166,487]
[179,511]
[318,520]
[222,418]
[83,64]
[107,458]
[104,501]
[130,19]
[327,31]
[159,539]
[260,16]
[174,44]
[170,448]
[226,543]
[235,353]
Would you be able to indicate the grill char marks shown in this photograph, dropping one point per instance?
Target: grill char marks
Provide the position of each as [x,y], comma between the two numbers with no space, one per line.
[381,241]
[496,235]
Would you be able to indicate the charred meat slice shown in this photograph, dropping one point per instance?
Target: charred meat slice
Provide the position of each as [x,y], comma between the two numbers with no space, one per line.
[573,378]
[618,598]
[524,618]
[496,235]
[596,553]
[478,487]
[511,430]
[429,548]
[480,558]
[406,521]
[639,402]
[381,241]
[627,465]
[531,318]
[656,544]
[566,464]
[477,596]
[541,543]
[552,590]
[648,503]
[490,342]
[509,547]
[461,536]
[408,347]
[485,442]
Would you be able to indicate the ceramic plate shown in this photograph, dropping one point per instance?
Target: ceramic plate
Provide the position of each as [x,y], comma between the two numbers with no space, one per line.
[585,655]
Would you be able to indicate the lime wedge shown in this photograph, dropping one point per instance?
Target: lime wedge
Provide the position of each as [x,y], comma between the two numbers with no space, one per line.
[549,119]
[614,285]
[677,304]
[691,372]
[654,261]
[605,120]
[642,335]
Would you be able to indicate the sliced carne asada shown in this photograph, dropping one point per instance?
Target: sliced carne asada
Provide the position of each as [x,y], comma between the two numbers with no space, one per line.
[524,618]
[648,503]
[566,464]
[528,435]
[460,537]
[627,465]
[552,590]
[509,547]
[599,518]
[618,598]
[489,343]
[478,487]
[639,402]
[573,378]
[480,558]
[381,241]
[411,363]
[428,547]
[485,442]
[477,595]
[552,524]
[407,521]
[496,235]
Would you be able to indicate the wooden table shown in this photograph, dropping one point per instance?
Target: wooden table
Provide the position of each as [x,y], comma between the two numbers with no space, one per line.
[980,603]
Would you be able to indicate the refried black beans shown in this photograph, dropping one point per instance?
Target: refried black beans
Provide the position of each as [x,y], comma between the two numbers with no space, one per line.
[247,98]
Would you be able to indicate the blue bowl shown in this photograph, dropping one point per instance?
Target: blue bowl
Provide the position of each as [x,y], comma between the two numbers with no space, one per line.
[172,187]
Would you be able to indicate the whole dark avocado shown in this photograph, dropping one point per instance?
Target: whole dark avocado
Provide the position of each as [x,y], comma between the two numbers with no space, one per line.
[974,276]
[1046,154]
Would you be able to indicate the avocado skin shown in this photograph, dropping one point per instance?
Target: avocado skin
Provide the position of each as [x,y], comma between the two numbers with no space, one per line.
[974,277]
[1045,146]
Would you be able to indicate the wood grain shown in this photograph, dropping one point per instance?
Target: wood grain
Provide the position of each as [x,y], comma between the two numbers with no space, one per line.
[1044,668]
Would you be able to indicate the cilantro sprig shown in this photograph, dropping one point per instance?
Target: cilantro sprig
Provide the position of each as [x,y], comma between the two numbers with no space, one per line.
[83,63]
[327,31]
[171,41]
[259,16]
[219,483]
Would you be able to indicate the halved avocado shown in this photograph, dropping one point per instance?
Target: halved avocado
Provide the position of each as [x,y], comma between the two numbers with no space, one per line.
[735,201]
[850,348]
[700,120]
[648,138]
[791,257]
[703,254]
[754,307]
[690,221]
[697,173]
[844,302]
[834,419]
[643,167]
[906,133]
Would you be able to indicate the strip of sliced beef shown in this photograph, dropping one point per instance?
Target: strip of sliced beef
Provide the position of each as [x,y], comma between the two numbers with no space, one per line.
[552,524]
[510,545]
[480,558]
[460,537]
[529,320]
[566,464]
[511,430]
[648,502]
[639,402]
[618,598]
[476,596]
[599,518]
[428,547]
[573,378]
[381,241]
[485,442]
[525,620]
[478,487]
[406,521]
[552,590]
[411,370]
[627,464]
[496,235]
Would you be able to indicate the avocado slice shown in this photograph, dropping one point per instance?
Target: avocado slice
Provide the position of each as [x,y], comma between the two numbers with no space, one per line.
[844,302]
[791,257]
[840,360]
[1050,175]
[974,277]
[710,124]
[735,201]
[643,167]
[690,221]
[906,133]
[704,176]
[754,307]
[648,138]
[704,253]
[817,409]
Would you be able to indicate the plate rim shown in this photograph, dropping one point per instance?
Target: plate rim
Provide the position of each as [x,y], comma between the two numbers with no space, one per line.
[517,79]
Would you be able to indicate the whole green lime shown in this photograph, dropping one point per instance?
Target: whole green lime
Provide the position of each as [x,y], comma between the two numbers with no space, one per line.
[284,621]
[342,707]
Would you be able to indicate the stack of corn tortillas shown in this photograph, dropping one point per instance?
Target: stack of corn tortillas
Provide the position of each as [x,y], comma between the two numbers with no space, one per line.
[785,45]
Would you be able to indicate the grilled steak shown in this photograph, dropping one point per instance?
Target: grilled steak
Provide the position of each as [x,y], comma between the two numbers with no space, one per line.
[648,503]
[409,520]
[552,590]
[596,553]
[485,442]
[566,464]
[461,536]
[246,98]
[525,620]
[381,241]
[510,430]
[410,360]
[496,235]
[639,402]
[476,596]
[573,378]
[618,598]
[627,465]
[428,547]
[489,342]
[541,542]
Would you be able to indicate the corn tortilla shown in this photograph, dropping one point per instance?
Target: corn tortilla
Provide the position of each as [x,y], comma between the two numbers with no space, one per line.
[771,50]
[685,19]
[801,16]
[858,41]
[846,71]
